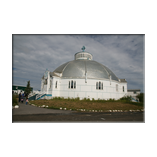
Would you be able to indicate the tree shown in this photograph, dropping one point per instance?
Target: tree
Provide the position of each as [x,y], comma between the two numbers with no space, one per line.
[28,88]
[140,97]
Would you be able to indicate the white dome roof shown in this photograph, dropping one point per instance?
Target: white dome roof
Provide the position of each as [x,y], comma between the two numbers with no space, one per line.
[78,68]
[83,66]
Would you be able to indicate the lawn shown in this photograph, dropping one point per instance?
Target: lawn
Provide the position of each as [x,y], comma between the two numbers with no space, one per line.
[75,104]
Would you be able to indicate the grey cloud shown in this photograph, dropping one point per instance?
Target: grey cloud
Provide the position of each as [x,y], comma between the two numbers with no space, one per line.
[32,54]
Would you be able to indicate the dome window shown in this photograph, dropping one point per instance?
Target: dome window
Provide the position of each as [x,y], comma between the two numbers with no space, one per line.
[96,85]
[56,85]
[50,83]
[110,79]
[45,82]
[99,85]
[72,84]
[116,87]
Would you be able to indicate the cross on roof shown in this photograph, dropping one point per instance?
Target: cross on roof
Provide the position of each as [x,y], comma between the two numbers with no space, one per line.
[83,48]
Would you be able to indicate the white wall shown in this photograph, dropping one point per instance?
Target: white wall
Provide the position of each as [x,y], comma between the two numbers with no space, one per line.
[88,90]
[83,90]
[46,88]
[18,91]
[131,93]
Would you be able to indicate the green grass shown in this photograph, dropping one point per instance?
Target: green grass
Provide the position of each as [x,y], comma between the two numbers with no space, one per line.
[76,103]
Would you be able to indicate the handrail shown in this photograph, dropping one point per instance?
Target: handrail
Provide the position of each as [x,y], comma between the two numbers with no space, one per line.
[134,99]
[39,96]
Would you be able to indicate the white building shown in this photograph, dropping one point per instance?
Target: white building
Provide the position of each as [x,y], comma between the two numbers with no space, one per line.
[133,92]
[84,78]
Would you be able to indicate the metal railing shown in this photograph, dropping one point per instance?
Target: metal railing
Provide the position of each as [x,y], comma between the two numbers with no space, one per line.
[39,96]
[31,94]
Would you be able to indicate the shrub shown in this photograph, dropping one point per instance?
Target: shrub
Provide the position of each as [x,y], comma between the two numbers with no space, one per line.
[84,99]
[16,95]
[14,100]
[126,98]
[77,99]
[140,97]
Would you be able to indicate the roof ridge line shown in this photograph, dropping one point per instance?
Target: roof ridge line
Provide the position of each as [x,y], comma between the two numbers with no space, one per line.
[104,68]
[111,71]
[66,66]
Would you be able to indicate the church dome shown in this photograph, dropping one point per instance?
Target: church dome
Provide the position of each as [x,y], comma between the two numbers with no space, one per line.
[83,66]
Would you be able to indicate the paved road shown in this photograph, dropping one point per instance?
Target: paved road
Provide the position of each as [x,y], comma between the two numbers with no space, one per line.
[28,113]
[29,110]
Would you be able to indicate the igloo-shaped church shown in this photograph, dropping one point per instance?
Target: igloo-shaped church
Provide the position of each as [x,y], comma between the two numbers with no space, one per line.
[84,78]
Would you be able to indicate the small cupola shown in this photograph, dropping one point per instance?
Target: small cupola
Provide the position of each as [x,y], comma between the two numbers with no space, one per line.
[83,55]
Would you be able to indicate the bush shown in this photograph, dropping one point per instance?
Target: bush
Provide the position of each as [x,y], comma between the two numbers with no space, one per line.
[16,95]
[14,100]
[126,98]
[84,99]
[88,99]
[140,97]
[77,99]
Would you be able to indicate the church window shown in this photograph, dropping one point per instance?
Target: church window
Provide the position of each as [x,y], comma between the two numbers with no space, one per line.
[110,79]
[99,85]
[96,85]
[56,85]
[45,82]
[72,84]
[117,87]
[123,88]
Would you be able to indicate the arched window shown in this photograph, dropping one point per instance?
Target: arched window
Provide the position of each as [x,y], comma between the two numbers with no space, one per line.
[110,79]
[117,87]
[72,84]
[123,88]
[102,85]
[45,82]
[56,84]
[97,85]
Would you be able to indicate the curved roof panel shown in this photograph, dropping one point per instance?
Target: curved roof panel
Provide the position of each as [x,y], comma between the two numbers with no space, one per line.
[78,68]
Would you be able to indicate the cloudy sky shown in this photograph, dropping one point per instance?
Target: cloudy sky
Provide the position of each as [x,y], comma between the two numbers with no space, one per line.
[123,54]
